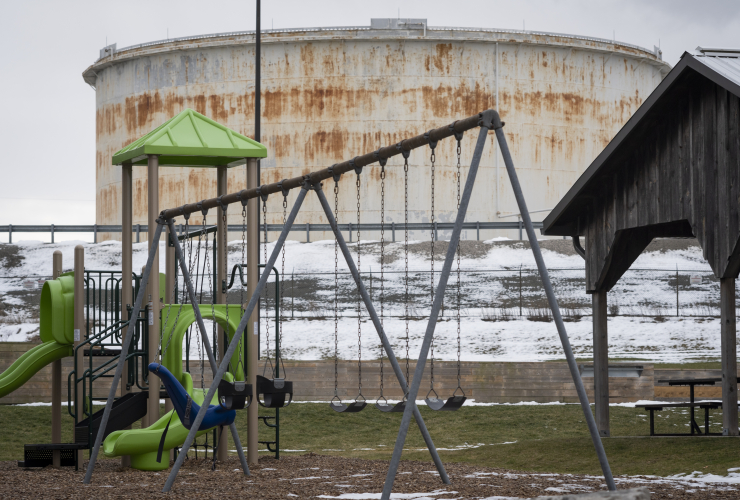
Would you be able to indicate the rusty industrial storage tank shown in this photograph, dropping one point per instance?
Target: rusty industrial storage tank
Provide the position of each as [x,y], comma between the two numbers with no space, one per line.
[329,94]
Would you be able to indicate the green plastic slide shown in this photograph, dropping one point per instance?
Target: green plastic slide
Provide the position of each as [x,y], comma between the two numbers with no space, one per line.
[142,444]
[29,363]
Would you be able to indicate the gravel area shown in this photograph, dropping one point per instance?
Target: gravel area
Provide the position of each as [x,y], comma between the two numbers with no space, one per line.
[318,476]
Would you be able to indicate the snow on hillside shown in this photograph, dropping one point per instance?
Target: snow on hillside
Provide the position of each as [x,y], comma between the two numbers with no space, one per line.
[492,329]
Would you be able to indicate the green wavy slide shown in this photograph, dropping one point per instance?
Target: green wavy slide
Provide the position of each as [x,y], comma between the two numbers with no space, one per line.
[31,362]
[56,332]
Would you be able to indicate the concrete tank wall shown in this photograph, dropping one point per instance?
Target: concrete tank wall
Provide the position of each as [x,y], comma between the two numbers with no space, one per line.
[331,94]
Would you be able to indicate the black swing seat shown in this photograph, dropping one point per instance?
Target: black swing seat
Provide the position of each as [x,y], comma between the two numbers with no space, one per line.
[340,407]
[452,404]
[389,408]
[234,395]
[274,392]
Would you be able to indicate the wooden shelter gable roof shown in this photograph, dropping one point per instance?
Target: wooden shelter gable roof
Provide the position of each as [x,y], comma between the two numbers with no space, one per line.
[723,71]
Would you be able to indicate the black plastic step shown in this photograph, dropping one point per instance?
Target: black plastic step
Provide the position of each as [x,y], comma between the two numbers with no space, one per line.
[103,352]
[125,411]
[41,455]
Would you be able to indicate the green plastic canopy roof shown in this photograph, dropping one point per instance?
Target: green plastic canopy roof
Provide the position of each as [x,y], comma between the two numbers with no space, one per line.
[191,139]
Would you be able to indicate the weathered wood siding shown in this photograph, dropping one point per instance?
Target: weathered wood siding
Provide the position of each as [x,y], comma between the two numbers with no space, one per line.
[676,176]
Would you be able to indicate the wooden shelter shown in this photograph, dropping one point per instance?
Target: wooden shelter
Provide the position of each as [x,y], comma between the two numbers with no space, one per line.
[673,171]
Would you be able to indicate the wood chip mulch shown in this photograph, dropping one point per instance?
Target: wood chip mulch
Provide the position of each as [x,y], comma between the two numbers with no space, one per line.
[319,476]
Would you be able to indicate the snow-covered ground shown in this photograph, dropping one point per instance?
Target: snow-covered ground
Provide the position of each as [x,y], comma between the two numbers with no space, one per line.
[498,279]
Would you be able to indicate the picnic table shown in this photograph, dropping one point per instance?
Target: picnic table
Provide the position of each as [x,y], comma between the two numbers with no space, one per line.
[692,405]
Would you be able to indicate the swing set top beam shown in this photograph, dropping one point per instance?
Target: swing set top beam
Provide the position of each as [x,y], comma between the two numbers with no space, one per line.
[381,155]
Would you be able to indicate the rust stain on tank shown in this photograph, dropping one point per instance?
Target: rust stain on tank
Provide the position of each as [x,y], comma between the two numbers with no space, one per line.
[443,57]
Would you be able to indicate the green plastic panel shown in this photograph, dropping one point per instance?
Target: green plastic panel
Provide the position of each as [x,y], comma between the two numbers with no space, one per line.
[57,310]
[174,328]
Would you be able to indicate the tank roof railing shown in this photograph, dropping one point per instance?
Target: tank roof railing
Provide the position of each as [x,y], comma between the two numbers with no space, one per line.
[368,28]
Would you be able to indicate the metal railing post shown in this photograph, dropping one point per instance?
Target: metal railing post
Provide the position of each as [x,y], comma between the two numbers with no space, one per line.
[477,231]
[138,230]
[95,233]
[52,233]
[308,232]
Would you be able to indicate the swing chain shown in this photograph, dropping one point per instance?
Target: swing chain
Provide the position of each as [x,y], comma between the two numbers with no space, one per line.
[406,259]
[201,333]
[225,267]
[382,263]
[278,355]
[459,169]
[267,320]
[336,289]
[358,171]
[432,145]
[213,292]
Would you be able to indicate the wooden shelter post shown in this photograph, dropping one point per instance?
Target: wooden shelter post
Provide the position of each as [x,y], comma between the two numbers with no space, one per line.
[729,357]
[601,361]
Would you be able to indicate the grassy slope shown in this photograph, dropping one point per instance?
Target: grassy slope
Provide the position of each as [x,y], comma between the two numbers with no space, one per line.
[548,438]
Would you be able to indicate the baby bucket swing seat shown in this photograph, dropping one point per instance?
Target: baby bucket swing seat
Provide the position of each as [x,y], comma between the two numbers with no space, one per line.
[275,392]
[432,400]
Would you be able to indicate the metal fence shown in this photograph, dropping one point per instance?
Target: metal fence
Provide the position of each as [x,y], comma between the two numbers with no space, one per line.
[391,228]
[490,294]
[494,294]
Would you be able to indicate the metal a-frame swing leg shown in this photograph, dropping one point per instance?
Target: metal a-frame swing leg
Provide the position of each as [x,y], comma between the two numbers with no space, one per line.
[180,256]
[235,340]
[553,302]
[485,124]
[153,247]
[381,333]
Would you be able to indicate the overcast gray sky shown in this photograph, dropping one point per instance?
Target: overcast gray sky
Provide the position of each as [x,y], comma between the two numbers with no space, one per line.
[48,132]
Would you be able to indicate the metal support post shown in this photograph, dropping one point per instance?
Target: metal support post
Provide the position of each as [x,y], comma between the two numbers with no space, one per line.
[124,350]
[222,265]
[601,361]
[393,230]
[485,125]
[52,233]
[127,289]
[729,356]
[180,256]
[56,383]
[95,233]
[79,328]
[477,231]
[254,298]
[381,333]
[308,232]
[10,233]
[252,337]
[153,291]
[598,445]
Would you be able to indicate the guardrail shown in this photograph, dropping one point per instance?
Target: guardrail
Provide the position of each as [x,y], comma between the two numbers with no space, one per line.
[391,227]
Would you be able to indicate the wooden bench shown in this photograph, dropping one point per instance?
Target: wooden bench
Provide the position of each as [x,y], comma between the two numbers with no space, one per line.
[695,429]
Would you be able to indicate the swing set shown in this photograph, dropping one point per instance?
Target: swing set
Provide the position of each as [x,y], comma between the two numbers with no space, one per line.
[277,391]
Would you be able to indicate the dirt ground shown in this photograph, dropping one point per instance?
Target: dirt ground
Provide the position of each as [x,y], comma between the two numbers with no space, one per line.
[312,476]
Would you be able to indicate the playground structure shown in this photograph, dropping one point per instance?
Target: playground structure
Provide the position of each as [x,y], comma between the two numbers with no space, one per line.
[248,198]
